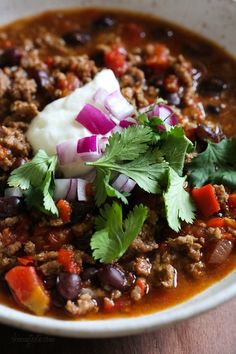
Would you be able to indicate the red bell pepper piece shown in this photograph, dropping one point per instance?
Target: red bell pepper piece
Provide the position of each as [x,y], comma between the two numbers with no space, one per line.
[27,260]
[206,200]
[232,200]
[216,222]
[115,59]
[66,258]
[65,210]
[28,289]
[160,57]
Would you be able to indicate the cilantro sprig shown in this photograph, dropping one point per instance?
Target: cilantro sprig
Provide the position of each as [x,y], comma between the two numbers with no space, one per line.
[178,204]
[217,164]
[36,179]
[114,235]
[132,154]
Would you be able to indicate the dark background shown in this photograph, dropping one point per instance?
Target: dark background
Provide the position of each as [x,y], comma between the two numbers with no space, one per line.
[211,333]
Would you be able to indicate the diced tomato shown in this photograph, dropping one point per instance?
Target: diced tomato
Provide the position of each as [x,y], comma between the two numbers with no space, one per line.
[206,200]
[142,285]
[27,260]
[216,222]
[171,83]
[230,222]
[115,59]
[65,210]
[66,258]
[232,200]
[108,304]
[160,57]
[28,289]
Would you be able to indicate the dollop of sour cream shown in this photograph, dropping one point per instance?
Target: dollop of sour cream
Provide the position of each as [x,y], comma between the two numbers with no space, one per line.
[56,123]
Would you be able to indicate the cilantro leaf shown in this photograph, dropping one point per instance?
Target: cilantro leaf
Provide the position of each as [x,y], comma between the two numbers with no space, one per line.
[113,235]
[178,203]
[217,164]
[31,173]
[103,189]
[130,144]
[36,179]
[174,147]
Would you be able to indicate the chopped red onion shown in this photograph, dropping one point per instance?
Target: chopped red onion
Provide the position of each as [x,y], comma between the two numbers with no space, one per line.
[67,152]
[123,184]
[166,114]
[125,123]
[81,190]
[102,144]
[95,120]
[88,148]
[72,190]
[100,96]
[61,188]
[118,106]
[128,186]
[220,252]
[13,192]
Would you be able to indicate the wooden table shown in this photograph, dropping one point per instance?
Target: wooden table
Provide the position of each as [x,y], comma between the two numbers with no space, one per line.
[212,333]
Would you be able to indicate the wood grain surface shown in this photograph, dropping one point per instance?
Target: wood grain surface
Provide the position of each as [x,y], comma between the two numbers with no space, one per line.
[211,333]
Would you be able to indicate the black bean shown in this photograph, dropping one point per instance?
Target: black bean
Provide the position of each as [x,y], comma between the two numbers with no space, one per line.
[204,133]
[41,77]
[10,206]
[76,37]
[211,86]
[214,110]
[103,23]
[50,283]
[172,98]
[89,273]
[112,276]
[68,285]
[10,57]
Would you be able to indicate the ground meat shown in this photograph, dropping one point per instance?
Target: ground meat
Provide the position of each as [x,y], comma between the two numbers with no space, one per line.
[188,244]
[4,83]
[45,256]
[51,268]
[6,263]
[136,293]
[22,88]
[13,144]
[29,248]
[81,66]
[12,249]
[183,70]
[144,242]
[163,274]
[9,221]
[142,266]
[85,304]
[21,110]
[222,197]
[196,270]
[214,232]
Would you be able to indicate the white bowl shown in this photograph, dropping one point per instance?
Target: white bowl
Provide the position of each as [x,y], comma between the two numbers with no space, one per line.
[215,19]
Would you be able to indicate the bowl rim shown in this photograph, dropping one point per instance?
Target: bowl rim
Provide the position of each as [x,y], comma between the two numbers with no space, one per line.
[118,327]
[123,326]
